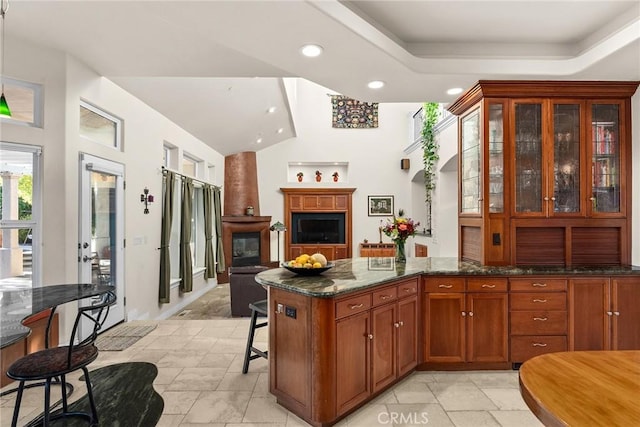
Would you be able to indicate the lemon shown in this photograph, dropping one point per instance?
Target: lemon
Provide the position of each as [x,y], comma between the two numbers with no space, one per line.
[317,265]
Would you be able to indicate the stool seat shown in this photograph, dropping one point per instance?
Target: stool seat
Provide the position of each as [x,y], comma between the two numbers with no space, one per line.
[251,353]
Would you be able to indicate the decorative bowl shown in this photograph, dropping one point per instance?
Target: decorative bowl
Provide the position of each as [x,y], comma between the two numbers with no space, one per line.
[309,271]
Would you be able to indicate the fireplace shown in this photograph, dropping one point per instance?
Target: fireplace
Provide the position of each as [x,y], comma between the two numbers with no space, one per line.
[245,249]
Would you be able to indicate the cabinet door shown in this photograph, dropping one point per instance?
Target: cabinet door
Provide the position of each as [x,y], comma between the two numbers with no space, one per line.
[528,158]
[487,327]
[470,163]
[444,326]
[383,346]
[589,321]
[606,165]
[295,202]
[567,158]
[496,158]
[353,363]
[407,334]
[626,313]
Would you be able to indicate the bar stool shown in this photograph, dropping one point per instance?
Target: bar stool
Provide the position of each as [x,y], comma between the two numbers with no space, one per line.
[258,307]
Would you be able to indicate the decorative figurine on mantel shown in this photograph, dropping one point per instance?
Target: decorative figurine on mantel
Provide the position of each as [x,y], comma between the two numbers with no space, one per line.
[318,176]
[299,175]
[335,176]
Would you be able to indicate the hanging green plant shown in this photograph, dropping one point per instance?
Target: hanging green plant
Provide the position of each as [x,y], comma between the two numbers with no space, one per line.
[430,147]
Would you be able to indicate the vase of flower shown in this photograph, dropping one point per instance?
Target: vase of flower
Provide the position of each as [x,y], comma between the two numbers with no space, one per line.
[400,254]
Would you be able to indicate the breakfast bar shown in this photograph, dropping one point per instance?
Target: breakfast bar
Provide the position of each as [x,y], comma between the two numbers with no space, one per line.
[338,339]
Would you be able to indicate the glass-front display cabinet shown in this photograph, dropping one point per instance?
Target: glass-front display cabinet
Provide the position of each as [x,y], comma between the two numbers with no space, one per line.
[545,172]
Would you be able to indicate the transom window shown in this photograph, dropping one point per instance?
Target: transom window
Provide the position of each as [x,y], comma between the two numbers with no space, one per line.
[99,126]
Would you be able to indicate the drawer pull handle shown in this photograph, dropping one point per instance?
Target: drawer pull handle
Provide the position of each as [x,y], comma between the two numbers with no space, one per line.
[445,286]
[542,319]
[488,286]
[354,306]
[539,300]
[409,289]
[539,344]
[383,297]
[539,285]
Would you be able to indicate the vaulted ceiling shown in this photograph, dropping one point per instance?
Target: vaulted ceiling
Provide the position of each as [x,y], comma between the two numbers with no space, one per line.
[215,67]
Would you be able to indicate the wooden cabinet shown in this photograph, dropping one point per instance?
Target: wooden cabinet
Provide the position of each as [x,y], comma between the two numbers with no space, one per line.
[537,316]
[544,172]
[421,250]
[465,320]
[377,249]
[604,313]
[353,365]
[318,203]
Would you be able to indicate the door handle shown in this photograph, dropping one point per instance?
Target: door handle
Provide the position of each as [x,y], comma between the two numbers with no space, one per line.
[86,258]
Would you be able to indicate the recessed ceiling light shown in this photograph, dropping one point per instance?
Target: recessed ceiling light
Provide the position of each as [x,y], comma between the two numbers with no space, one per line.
[259,140]
[454,91]
[375,84]
[280,130]
[271,110]
[311,50]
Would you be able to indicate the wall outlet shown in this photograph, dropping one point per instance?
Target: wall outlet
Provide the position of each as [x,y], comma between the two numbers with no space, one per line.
[290,312]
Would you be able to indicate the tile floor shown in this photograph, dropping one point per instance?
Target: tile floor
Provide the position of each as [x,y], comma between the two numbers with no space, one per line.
[200,379]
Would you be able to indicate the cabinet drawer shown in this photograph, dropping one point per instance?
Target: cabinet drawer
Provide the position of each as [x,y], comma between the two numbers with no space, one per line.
[534,284]
[538,322]
[523,348]
[410,287]
[486,285]
[444,284]
[538,301]
[384,295]
[353,305]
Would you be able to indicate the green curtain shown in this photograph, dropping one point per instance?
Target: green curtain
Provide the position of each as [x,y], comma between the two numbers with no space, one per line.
[165,237]
[219,248]
[209,258]
[186,269]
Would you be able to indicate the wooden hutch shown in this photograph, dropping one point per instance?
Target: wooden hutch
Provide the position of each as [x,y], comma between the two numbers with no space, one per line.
[545,172]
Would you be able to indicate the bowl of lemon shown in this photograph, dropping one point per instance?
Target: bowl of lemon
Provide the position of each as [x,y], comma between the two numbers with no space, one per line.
[308,265]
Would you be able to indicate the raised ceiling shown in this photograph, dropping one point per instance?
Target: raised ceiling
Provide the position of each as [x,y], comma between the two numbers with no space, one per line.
[215,67]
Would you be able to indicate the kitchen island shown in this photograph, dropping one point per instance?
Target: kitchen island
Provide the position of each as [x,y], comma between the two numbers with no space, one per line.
[338,339]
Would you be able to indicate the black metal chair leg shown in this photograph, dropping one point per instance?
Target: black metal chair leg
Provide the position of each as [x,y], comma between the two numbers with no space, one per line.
[92,403]
[252,330]
[16,410]
[47,402]
[63,386]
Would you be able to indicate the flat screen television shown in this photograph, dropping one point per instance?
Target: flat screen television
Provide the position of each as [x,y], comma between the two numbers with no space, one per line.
[318,228]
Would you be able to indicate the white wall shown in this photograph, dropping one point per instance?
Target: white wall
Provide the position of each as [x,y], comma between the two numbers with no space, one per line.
[65,82]
[373,156]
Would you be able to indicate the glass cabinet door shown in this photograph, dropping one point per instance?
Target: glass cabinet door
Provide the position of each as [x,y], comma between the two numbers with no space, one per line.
[528,157]
[496,158]
[605,158]
[566,158]
[470,163]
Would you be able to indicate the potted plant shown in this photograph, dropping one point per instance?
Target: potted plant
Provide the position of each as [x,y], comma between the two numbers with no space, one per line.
[318,176]
[335,176]
[299,175]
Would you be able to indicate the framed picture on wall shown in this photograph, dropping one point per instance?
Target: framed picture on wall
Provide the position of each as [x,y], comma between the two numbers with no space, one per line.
[380,205]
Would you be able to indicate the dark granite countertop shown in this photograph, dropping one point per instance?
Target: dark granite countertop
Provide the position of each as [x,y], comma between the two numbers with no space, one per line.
[350,275]
[17,305]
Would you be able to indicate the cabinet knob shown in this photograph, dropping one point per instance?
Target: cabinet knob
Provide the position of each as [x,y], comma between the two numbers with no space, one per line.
[471,314]
[546,199]
[370,336]
[593,199]
[401,323]
[541,319]
[553,199]
[397,325]
[463,314]
[609,313]
[617,313]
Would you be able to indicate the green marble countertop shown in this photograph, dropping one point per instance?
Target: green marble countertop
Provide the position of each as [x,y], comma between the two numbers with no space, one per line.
[350,275]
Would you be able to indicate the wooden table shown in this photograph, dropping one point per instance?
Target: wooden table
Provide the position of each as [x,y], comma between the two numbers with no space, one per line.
[583,388]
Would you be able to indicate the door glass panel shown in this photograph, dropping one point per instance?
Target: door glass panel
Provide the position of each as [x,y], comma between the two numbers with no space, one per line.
[528,152]
[471,163]
[103,224]
[605,163]
[496,159]
[566,157]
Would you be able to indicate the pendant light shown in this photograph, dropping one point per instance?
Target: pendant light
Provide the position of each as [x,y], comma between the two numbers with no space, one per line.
[4,107]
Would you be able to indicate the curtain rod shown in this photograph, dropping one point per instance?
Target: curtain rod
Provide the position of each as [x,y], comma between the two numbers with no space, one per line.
[164,170]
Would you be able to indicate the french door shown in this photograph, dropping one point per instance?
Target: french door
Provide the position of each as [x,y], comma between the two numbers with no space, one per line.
[101,246]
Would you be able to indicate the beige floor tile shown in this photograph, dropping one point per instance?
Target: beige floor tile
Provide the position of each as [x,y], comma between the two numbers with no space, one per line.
[178,402]
[416,414]
[181,359]
[171,420]
[239,382]
[461,396]
[197,379]
[166,375]
[264,410]
[369,415]
[414,392]
[495,379]
[472,419]
[169,342]
[506,399]
[516,419]
[219,407]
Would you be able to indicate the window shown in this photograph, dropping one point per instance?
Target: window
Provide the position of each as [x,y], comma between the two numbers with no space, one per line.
[189,166]
[99,126]
[19,215]
[25,102]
